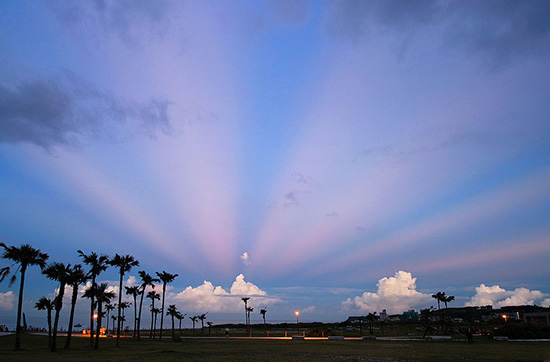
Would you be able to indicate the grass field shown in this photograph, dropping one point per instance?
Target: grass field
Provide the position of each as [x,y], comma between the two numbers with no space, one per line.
[232,350]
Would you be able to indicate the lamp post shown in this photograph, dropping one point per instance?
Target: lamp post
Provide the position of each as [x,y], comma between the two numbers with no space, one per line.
[297,323]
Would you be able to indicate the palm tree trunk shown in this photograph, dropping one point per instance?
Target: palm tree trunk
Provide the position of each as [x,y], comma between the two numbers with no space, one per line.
[134,336]
[58,306]
[92,315]
[49,328]
[98,329]
[173,335]
[19,309]
[152,318]
[71,317]
[162,311]
[118,317]
[139,315]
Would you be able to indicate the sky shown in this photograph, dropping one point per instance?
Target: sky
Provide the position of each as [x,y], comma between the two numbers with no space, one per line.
[331,157]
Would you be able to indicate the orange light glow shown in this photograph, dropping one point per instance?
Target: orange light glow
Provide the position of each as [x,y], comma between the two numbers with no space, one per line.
[297,313]
[95,316]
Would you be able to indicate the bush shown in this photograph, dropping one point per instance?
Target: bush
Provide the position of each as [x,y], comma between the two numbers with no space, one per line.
[523,331]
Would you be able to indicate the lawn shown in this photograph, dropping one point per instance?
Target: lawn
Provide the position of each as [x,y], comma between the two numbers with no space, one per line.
[233,350]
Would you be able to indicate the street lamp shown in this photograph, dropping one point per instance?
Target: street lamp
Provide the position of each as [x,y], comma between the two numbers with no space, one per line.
[297,323]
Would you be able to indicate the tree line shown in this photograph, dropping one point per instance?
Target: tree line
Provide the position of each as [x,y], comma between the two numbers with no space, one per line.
[100,297]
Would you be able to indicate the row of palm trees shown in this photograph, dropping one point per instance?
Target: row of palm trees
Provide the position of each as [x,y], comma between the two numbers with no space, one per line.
[100,296]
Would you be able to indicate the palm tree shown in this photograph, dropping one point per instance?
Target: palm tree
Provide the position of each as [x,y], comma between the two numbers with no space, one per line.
[263,312]
[202,317]
[101,295]
[24,256]
[124,264]
[245,300]
[180,318]
[113,317]
[209,328]
[153,295]
[194,319]
[165,278]
[248,311]
[439,296]
[134,292]
[109,308]
[123,307]
[448,299]
[146,280]
[75,278]
[172,311]
[59,272]
[47,305]
[155,312]
[426,313]
[371,317]
[97,263]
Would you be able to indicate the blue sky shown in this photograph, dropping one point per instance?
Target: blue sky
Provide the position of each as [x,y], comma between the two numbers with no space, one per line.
[333,157]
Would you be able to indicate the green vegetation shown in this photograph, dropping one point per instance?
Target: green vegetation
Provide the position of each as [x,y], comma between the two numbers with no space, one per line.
[229,350]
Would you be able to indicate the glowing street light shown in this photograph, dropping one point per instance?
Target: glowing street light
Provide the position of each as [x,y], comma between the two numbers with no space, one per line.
[297,323]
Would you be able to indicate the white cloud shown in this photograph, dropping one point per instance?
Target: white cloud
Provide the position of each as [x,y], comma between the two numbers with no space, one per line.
[309,309]
[395,294]
[215,299]
[499,297]
[245,259]
[7,301]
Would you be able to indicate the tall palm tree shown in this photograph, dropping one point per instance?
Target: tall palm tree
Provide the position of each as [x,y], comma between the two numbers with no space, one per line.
[102,296]
[439,296]
[134,292]
[165,278]
[123,307]
[24,256]
[124,264]
[194,319]
[202,317]
[153,295]
[172,311]
[75,278]
[60,273]
[97,263]
[180,318]
[156,312]
[109,308]
[448,299]
[245,300]
[47,305]
[263,312]
[248,311]
[146,280]
[371,317]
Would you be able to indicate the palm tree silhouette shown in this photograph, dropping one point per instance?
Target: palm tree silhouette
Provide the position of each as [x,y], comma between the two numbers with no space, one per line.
[101,296]
[165,278]
[448,299]
[248,311]
[97,263]
[194,319]
[123,307]
[202,317]
[155,312]
[113,317]
[263,312]
[180,318]
[371,317]
[146,280]
[153,295]
[245,300]
[209,327]
[108,307]
[75,278]
[134,291]
[124,264]
[440,297]
[24,256]
[47,305]
[172,311]
[59,272]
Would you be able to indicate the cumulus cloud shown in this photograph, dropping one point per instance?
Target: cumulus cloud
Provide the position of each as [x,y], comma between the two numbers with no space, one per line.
[245,259]
[66,110]
[309,309]
[395,294]
[499,297]
[215,299]
[7,300]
